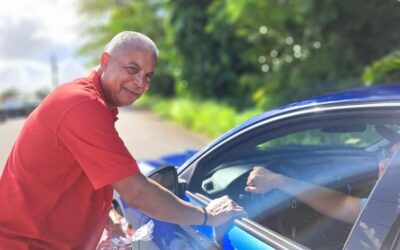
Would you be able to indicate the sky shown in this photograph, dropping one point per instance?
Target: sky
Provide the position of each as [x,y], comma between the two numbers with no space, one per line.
[31,33]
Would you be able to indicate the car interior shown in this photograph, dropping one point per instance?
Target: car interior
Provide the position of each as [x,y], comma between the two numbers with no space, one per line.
[336,152]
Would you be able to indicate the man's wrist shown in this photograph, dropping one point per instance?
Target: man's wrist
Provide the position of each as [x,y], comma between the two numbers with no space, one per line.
[283,180]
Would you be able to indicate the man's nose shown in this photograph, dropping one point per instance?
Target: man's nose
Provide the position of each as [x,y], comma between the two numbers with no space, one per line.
[140,81]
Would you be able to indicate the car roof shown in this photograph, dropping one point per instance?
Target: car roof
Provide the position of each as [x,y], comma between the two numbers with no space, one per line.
[376,93]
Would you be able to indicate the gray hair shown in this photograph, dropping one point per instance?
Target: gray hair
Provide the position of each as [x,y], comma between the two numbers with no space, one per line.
[130,38]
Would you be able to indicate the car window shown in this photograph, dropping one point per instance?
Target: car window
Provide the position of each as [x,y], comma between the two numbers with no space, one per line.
[341,154]
[363,136]
[379,223]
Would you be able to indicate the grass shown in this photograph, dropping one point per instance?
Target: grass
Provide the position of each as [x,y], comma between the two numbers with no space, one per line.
[206,117]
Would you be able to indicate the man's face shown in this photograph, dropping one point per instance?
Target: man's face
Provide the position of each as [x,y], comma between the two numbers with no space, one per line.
[126,75]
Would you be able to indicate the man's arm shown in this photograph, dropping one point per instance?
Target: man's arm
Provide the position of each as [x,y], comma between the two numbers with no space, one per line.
[324,200]
[156,201]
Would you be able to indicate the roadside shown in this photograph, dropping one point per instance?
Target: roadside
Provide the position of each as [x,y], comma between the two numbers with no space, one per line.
[145,135]
[9,131]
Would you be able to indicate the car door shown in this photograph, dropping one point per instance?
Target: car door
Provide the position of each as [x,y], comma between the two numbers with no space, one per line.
[378,226]
[336,147]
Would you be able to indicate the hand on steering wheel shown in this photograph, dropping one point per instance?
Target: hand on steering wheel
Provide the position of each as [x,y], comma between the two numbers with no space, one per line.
[262,180]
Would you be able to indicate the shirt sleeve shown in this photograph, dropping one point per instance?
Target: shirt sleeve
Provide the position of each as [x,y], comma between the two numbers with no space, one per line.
[88,132]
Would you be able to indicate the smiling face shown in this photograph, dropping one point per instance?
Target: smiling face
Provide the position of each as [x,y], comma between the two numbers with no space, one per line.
[125,75]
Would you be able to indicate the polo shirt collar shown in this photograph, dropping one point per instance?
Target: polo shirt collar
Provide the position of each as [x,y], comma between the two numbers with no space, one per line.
[95,78]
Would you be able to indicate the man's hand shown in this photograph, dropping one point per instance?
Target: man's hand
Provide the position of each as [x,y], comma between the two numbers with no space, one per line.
[262,180]
[222,210]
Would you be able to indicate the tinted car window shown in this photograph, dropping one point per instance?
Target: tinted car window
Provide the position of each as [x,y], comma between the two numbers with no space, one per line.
[341,154]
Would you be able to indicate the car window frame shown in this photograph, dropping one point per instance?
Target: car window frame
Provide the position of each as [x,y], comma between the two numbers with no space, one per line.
[186,170]
[269,131]
[213,153]
[265,235]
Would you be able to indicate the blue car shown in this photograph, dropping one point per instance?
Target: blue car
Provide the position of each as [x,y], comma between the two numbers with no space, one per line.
[334,141]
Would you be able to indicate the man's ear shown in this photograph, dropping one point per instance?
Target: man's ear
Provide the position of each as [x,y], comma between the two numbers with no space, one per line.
[104,59]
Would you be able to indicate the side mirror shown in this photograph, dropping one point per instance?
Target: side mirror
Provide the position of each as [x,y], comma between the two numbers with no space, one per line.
[167,177]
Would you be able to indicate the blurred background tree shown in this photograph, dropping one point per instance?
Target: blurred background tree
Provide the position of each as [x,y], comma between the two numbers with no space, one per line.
[385,69]
[10,93]
[260,54]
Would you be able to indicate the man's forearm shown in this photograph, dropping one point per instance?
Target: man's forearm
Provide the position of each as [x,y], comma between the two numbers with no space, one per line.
[324,200]
[158,202]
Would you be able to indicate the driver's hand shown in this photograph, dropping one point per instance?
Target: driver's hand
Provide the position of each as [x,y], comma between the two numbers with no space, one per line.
[262,180]
[222,210]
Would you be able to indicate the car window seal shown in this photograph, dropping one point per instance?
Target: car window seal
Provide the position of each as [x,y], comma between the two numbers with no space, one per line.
[260,232]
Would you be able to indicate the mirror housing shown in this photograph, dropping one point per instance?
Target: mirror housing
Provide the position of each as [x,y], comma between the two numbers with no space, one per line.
[167,177]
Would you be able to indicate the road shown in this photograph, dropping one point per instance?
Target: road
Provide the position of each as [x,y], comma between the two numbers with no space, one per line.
[145,135]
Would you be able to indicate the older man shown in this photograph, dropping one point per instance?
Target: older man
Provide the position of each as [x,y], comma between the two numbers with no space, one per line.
[57,185]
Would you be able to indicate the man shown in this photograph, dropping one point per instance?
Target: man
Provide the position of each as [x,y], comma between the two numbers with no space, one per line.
[57,185]
[324,200]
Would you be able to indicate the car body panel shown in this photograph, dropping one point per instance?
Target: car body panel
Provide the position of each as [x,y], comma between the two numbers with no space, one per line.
[237,238]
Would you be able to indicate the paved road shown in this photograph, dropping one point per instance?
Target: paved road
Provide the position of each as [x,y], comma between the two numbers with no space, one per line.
[145,135]
[8,132]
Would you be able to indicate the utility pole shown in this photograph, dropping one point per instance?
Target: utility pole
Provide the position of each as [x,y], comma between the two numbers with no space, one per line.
[54,70]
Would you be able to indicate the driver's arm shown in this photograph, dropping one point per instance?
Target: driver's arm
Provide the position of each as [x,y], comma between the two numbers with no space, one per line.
[324,200]
[156,201]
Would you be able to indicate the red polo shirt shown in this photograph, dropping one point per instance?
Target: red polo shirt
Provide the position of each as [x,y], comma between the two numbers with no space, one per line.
[55,190]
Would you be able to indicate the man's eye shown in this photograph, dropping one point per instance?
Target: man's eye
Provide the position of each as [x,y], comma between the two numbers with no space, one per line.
[148,78]
[131,70]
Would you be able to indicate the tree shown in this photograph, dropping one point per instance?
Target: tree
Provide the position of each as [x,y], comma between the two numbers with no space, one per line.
[258,53]
[209,51]
[308,47]
[9,93]
[385,69]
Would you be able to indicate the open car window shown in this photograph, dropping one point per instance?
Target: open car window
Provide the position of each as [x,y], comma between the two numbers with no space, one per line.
[339,151]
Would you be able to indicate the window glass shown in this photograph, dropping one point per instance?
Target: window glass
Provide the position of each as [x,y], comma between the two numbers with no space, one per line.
[328,136]
[342,156]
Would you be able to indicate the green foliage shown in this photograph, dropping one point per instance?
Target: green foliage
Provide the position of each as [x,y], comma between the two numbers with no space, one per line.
[209,118]
[310,47]
[259,54]
[209,67]
[97,8]
[385,69]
